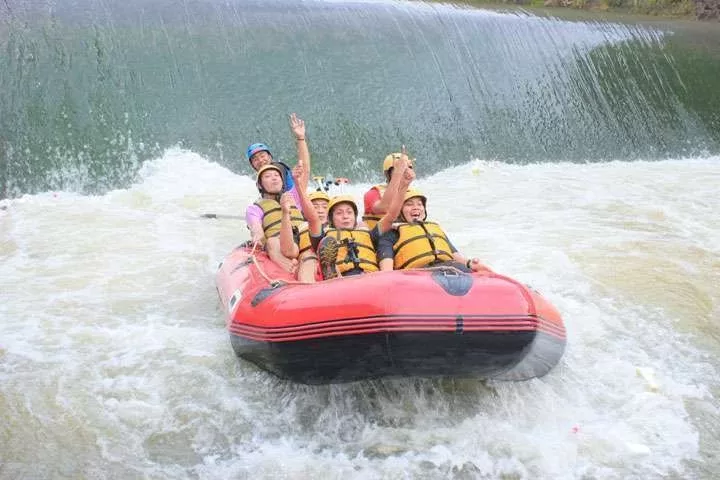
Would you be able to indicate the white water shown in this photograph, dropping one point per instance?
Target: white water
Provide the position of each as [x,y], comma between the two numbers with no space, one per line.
[115,362]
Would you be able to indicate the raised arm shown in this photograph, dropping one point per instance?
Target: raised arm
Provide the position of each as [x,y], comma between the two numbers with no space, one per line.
[406,175]
[297,126]
[314,225]
[288,247]
[382,205]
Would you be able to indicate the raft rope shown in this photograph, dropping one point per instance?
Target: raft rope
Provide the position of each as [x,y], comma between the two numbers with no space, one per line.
[274,282]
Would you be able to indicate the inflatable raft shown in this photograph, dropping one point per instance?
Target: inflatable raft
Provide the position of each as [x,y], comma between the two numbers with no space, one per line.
[419,323]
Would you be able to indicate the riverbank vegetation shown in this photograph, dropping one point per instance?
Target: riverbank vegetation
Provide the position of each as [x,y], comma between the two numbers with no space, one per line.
[665,8]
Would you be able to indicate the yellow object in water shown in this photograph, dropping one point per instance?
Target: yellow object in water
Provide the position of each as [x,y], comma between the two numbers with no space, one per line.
[648,374]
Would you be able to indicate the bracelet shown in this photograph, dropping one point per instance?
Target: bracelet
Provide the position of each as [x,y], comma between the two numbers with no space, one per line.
[467,264]
[300,139]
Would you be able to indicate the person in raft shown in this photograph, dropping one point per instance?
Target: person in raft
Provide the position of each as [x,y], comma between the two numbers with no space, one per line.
[259,155]
[280,243]
[343,246]
[294,236]
[320,202]
[378,198]
[416,243]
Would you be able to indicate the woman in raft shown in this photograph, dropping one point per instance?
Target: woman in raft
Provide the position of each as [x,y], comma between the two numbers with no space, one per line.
[414,242]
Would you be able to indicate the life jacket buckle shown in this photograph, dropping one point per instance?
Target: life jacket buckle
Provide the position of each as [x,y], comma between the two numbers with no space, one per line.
[353,254]
[450,271]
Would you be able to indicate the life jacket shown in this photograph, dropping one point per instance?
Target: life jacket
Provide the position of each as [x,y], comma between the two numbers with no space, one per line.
[356,250]
[302,237]
[272,216]
[420,244]
[371,218]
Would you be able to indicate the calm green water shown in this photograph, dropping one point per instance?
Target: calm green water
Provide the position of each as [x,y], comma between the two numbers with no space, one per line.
[89,89]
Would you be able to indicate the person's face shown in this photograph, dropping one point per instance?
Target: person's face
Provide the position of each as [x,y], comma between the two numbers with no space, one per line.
[343,216]
[321,207]
[413,209]
[271,181]
[260,159]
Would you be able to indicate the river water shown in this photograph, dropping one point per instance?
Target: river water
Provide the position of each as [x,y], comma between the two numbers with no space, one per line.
[579,157]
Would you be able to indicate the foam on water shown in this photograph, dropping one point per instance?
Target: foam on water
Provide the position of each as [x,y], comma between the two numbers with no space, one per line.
[114,359]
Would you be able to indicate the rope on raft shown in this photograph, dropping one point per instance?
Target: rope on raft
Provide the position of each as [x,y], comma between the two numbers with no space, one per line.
[274,282]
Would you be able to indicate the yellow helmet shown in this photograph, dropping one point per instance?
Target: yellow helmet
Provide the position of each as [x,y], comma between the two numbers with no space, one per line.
[265,168]
[388,162]
[318,195]
[341,199]
[412,193]
[269,166]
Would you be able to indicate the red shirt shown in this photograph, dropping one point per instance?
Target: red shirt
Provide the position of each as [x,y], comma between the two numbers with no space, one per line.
[372,196]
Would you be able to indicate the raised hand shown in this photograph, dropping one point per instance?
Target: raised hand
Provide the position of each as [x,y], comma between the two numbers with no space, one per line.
[401,163]
[409,175]
[286,202]
[297,126]
[298,172]
[300,175]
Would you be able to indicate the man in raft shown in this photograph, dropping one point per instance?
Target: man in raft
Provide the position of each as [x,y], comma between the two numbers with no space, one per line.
[259,155]
[414,242]
[379,197]
[320,202]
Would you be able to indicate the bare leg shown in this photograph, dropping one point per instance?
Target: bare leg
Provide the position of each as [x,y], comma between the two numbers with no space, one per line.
[307,267]
[273,248]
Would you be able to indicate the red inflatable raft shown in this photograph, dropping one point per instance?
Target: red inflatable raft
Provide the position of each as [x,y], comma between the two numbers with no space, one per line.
[434,322]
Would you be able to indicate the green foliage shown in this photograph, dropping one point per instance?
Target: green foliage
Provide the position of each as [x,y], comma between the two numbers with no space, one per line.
[672,8]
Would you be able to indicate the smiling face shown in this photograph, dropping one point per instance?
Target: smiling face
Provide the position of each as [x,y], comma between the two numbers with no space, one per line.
[321,207]
[343,216]
[260,159]
[271,181]
[413,209]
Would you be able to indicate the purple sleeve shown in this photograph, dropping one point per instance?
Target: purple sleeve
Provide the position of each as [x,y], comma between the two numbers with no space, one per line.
[296,197]
[253,215]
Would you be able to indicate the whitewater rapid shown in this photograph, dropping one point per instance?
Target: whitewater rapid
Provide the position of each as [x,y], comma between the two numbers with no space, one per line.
[115,362]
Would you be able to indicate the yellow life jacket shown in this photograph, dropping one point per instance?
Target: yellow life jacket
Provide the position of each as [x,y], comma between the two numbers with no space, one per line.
[272,216]
[419,244]
[302,238]
[364,254]
[371,219]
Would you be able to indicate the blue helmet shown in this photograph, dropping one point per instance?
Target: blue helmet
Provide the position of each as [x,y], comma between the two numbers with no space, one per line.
[257,147]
